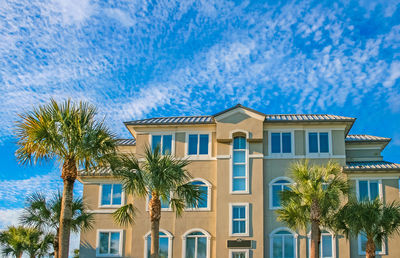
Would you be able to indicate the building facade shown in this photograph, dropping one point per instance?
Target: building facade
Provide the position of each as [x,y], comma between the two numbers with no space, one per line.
[240,158]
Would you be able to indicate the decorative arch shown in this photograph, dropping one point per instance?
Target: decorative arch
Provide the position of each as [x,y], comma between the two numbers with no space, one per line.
[209,188]
[206,235]
[167,234]
[273,183]
[274,234]
[327,232]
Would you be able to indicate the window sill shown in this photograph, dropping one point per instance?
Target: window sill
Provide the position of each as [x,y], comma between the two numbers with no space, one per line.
[198,209]
[239,234]
[108,255]
[240,192]
[109,206]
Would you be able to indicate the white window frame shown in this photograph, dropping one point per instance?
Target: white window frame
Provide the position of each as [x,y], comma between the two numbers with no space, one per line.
[281,154]
[272,183]
[245,251]
[272,234]
[162,209]
[319,154]
[112,191]
[361,252]
[322,233]
[120,231]
[209,188]
[162,138]
[197,156]
[380,187]
[246,191]
[170,238]
[206,235]
[247,218]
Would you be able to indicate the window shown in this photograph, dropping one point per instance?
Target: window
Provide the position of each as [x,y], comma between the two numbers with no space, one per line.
[283,244]
[109,243]
[362,244]
[239,213]
[165,205]
[111,195]
[196,244]
[318,142]
[281,142]
[239,253]
[239,168]
[326,247]
[368,190]
[198,144]
[165,244]
[277,186]
[164,142]
[204,202]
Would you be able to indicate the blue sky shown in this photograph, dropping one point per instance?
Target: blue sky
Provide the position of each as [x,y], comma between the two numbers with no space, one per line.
[136,59]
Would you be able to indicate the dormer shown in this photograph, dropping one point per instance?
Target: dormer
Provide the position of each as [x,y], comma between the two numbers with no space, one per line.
[362,147]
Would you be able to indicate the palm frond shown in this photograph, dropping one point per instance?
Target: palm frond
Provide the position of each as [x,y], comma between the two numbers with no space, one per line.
[125,215]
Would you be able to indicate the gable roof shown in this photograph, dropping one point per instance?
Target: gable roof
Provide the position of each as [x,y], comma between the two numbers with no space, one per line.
[238,106]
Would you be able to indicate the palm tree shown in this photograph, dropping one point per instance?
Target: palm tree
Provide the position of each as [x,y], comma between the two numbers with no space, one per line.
[374,219]
[164,178]
[37,244]
[70,133]
[45,215]
[12,241]
[313,198]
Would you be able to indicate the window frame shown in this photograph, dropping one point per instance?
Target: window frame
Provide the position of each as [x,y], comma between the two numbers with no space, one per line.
[247,218]
[162,138]
[120,231]
[206,235]
[271,184]
[295,239]
[380,187]
[322,233]
[167,234]
[361,252]
[112,191]
[246,150]
[197,156]
[209,188]
[319,154]
[245,251]
[281,154]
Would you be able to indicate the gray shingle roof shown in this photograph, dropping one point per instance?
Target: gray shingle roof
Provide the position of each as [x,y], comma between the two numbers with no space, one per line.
[371,165]
[306,117]
[126,142]
[365,138]
[173,120]
[103,171]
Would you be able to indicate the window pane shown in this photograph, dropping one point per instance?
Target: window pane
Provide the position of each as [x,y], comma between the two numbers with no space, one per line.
[204,194]
[276,200]
[289,247]
[239,170]
[114,244]
[163,251]
[239,212]
[323,142]
[313,142]
[286,142]
[326,246]
[374,189]
[106,195]
[203,149]
[103,243]
[275,142]
[239,156]
[167,144]
[201,247]
[239,143]
[190,247]
[239,184]
[363,242]
[117,194]
[277,247]
[363,190]
[156,141]
[238,255]
[193,139]
[235,227]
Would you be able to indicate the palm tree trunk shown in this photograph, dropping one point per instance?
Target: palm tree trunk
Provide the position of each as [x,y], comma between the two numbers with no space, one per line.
[315,238]
[370,248]
[56,243]
[69,174]
[19,255]
[155,216]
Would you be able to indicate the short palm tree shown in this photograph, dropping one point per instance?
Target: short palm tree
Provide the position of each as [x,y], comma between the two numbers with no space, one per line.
[12,241]
[374,219]
[45,215]
[164,178]
[37,244]
[70,133]
[313,199]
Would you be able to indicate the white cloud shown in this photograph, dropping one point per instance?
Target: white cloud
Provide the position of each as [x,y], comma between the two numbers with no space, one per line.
[394,74]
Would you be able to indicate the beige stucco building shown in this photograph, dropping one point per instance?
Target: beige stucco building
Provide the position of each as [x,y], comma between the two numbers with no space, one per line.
[240,157]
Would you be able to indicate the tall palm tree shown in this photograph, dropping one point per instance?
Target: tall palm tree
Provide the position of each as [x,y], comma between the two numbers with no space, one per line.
[12,241]
[164,178]
[313,199]
[70,133]
[45,215]
[374,219]
[36,243]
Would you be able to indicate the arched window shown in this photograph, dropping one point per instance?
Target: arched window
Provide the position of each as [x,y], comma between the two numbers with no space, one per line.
[326,247]
[205,188]
[275,187]
[196,244]
[283,243]
[239,165]
[165,244]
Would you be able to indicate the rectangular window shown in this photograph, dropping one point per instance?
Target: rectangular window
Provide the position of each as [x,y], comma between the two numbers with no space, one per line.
[111,195]
[198,144]
[163,142]
[239,161]
[109,243]
[318,142]
[239,253]
[240,219]
[368,190]
[281,142]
